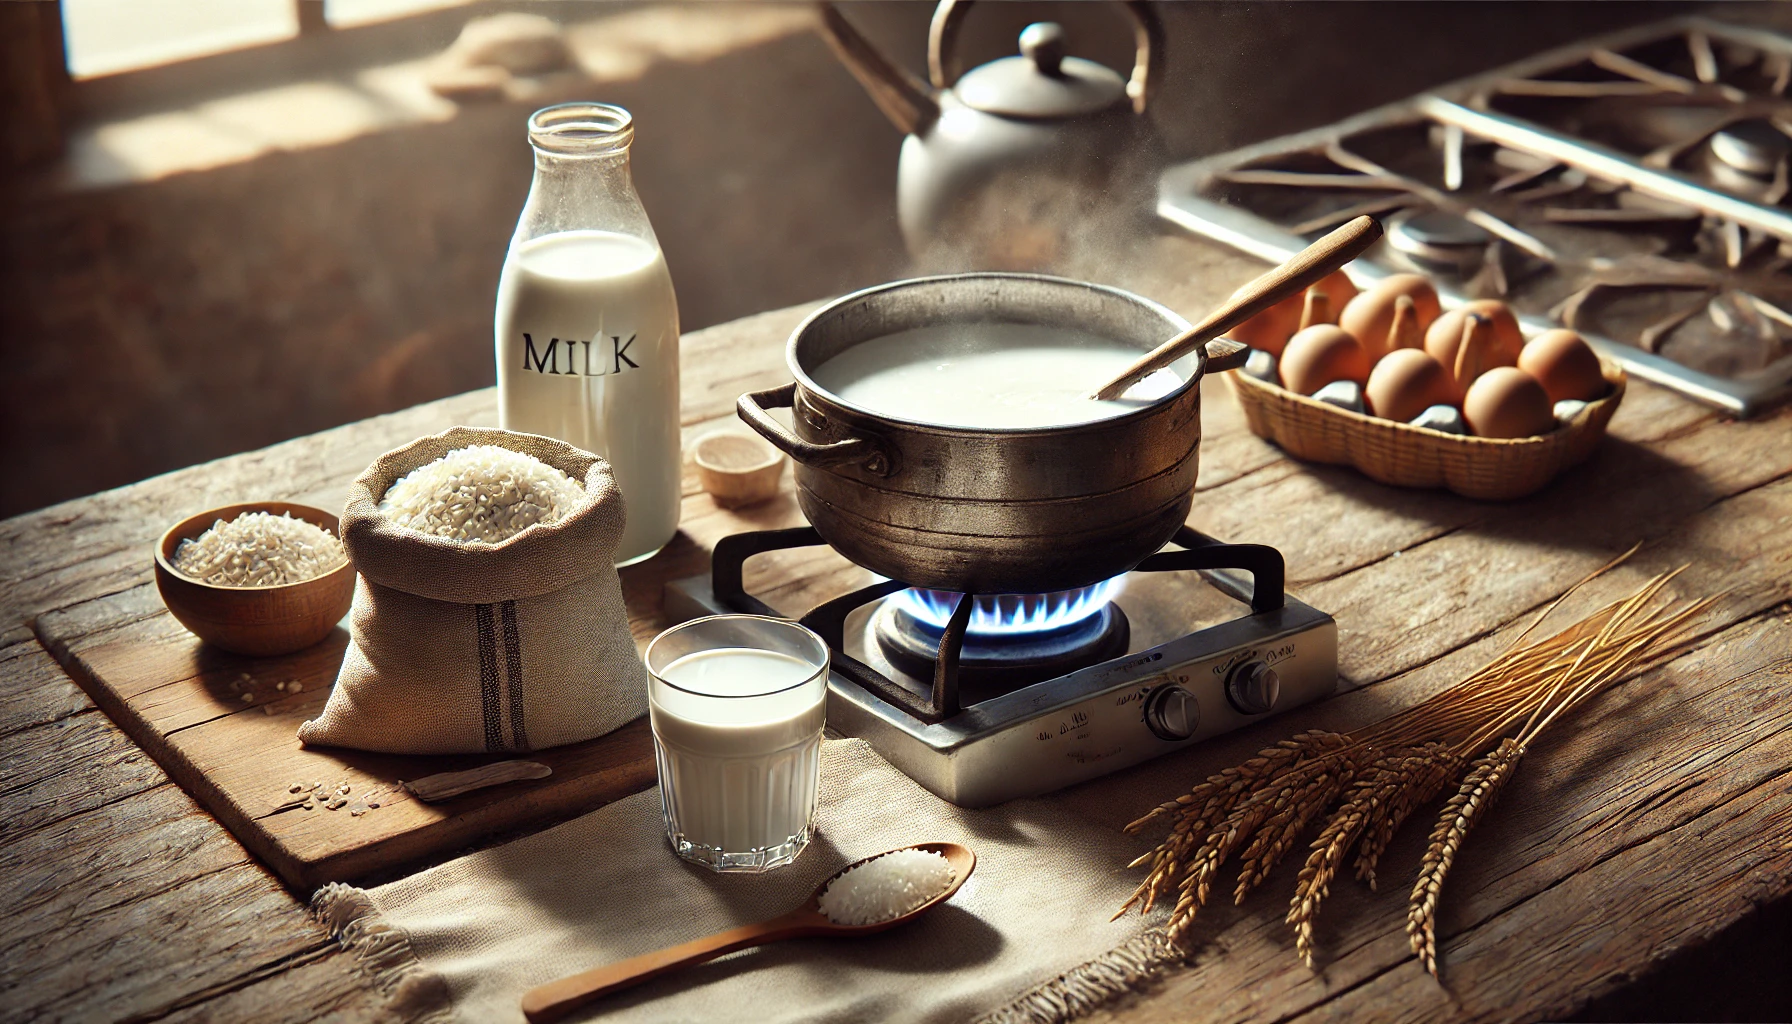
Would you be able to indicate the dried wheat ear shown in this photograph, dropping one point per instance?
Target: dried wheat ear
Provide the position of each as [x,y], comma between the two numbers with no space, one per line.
[1364,785]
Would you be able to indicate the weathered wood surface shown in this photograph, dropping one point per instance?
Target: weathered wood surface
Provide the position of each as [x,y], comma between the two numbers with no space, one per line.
[123,900]
[1654,819]
[220,724]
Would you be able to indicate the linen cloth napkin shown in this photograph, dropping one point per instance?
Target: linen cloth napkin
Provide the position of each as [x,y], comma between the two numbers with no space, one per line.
[1028,938]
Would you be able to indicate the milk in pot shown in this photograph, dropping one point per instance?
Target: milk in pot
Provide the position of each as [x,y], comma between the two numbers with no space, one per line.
[586,325]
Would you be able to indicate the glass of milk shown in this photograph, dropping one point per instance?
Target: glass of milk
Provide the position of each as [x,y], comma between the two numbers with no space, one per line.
[586,324]
[738,703]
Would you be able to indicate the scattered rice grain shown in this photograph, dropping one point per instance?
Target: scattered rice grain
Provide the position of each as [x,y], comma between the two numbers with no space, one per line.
[482,494]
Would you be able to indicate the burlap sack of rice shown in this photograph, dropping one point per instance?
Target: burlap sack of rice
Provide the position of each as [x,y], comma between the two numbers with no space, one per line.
[462,647]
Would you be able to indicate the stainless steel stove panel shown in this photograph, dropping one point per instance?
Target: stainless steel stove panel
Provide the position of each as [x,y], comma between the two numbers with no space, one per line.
[1092,722]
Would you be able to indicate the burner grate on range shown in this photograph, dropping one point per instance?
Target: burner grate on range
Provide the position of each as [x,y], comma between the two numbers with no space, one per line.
[943,699]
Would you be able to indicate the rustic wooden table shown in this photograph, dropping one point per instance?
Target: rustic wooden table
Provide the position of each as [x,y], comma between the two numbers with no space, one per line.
[1660,819]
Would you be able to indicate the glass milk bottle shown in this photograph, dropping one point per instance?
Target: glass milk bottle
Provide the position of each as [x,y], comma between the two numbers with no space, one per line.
[586,324]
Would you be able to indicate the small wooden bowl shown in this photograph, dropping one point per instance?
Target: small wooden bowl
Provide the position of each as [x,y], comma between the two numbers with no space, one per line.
[737,469]
[1494,469]
[257,621]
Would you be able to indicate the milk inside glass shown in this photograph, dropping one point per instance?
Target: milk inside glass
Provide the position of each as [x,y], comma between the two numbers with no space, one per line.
[737,740]
[586,323]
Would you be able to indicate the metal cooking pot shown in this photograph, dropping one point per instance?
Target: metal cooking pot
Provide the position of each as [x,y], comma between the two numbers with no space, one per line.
[988,510]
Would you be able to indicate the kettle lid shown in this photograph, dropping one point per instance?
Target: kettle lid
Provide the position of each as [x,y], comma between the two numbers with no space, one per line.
[1042,82]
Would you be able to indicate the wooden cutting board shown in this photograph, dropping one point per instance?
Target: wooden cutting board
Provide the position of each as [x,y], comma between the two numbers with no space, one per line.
[224,727]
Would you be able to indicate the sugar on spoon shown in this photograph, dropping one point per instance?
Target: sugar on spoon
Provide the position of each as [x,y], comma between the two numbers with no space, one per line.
[556,999]
[1300,272]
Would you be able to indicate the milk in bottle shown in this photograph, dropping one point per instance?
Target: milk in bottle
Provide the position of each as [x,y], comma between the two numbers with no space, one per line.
[586,326]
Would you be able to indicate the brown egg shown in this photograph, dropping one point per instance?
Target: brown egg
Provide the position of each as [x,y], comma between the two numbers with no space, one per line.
[1405,383]
[1565,365]
[1319,355]
[1370,316]
[1474,352]
[1444,335]
[1271,329]
[1507,402]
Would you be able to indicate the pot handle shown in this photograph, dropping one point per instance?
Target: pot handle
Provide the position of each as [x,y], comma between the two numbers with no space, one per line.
[944,67]
[869,455]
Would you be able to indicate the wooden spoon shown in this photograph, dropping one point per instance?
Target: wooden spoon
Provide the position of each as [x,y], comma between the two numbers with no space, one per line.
[1302,270]
[556,999]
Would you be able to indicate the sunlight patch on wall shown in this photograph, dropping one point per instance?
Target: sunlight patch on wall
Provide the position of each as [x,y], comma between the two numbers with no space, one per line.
[616,48]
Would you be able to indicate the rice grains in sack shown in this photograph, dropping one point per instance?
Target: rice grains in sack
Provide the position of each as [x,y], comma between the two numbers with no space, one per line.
[488,615]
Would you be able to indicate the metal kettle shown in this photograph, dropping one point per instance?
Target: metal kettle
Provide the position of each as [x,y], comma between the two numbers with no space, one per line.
[1018,162]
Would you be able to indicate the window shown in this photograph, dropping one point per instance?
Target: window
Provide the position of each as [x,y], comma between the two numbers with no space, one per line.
[107,36]
[104,37]
[348,13]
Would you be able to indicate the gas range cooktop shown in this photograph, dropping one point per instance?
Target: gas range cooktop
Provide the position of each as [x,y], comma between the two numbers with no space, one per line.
[1634,187]
[1036,692]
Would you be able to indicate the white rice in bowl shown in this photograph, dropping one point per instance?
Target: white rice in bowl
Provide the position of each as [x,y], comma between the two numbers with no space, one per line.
[482,494]
[259,549]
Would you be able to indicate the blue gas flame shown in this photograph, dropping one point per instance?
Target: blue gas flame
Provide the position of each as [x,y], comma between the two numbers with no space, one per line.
[1012,613]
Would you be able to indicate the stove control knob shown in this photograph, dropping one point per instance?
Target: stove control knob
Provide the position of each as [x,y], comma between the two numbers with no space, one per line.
[1253,688]
[1172,713]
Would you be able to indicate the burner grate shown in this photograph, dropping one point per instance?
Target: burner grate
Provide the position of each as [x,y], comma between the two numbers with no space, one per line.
[943,700]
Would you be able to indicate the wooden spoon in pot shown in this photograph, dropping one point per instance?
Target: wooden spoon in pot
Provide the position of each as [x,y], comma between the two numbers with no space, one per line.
[1302,270]
[556,999]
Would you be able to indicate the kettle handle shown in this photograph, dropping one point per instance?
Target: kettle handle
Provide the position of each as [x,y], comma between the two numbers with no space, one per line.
[943,66]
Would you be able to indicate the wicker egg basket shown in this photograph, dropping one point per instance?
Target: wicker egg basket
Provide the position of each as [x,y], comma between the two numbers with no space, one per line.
[1408,456]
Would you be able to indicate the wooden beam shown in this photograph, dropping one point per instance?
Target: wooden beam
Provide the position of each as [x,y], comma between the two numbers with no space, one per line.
[33,83]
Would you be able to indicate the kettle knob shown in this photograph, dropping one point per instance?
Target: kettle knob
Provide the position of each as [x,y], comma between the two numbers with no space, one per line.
[943,66]
[1043,43]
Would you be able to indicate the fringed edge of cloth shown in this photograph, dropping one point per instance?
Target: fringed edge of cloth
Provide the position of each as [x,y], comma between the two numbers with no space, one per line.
[413,992]
[1081,989]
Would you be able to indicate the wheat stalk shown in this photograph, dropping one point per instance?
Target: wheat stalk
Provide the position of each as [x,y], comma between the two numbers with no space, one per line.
[1486,776]
[1375,778]
[1435,768]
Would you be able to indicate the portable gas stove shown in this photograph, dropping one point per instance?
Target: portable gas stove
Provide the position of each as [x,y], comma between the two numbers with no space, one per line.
[1003,696]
